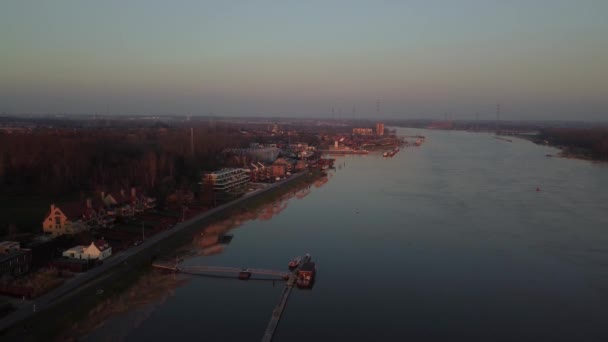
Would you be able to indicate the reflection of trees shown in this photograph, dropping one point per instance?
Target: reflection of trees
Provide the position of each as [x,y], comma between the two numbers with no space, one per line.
[206,242]
[302,194]
[321,181]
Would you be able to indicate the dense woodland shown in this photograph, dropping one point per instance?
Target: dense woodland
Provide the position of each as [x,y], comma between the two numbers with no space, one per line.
[589,142]
[53,161]
[58,161]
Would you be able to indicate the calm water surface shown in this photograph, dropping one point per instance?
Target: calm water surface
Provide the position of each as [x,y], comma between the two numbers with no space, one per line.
[451,242]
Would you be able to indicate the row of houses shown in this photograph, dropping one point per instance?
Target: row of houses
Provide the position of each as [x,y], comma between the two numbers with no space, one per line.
[16,261]
[231,179]
[73,218]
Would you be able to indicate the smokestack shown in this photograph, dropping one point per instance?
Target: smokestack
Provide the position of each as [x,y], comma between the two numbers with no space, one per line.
[52,208]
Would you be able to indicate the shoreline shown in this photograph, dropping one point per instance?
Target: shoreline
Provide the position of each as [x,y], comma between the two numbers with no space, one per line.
[563,150]
[122,270]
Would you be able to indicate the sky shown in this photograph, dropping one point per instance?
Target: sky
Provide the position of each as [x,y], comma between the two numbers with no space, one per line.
[541,60]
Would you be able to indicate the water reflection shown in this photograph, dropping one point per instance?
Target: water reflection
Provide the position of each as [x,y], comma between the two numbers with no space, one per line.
[207,240]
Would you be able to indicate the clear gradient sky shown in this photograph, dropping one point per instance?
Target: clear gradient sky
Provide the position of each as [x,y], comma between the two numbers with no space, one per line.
[538,59]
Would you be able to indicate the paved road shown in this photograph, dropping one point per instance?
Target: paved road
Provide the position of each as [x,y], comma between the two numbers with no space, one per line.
[85,280]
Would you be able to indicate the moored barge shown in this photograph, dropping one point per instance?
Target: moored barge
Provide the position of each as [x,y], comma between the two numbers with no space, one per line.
[306,275]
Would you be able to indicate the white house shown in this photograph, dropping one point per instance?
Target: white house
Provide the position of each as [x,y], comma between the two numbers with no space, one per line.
[75,253]
[97,250]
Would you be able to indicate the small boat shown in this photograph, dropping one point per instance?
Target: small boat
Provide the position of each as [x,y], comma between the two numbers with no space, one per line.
[294,262]
[306,276]
[244,274]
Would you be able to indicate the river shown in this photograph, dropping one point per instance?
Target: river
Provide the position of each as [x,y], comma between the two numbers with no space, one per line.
[447,241]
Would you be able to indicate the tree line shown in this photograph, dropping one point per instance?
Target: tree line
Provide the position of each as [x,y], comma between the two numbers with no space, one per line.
[593,141]
[67,160]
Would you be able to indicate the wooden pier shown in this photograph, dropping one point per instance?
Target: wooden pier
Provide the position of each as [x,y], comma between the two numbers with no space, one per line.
[280,307]
[291,278]
[209,270]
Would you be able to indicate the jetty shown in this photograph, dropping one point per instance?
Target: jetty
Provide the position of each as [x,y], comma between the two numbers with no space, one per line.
[280,307]
[301,275]
[222,270]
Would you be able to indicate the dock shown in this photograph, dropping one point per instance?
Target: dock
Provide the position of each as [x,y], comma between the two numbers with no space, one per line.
[209,270]
[280,307]
[291,278]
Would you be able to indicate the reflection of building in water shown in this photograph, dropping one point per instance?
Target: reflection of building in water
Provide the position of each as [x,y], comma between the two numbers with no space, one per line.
[303,193]
[321,181]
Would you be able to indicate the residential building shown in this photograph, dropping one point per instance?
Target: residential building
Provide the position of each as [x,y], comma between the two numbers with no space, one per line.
[379,128]
[14,261]
[278,170]
[67,220]
[227,180]
[118,204]
[287,163]
[363,131]
[96,214]
[7,247]
[256,154]
[259,173]
[98,250]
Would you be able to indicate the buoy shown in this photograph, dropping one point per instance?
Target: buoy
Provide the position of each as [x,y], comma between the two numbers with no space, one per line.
[537,189]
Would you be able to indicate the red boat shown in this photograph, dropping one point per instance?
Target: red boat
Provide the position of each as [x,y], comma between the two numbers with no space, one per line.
[244,274]
[306,275]
[294,262]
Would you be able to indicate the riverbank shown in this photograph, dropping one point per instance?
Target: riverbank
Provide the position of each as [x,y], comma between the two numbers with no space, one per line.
[565,152]
[66,305]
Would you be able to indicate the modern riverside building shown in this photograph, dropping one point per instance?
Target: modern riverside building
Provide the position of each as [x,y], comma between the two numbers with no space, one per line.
[363,131]
[226,180]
